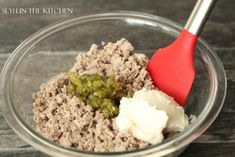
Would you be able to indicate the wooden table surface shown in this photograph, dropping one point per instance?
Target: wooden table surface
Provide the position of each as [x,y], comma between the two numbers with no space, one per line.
[217,141]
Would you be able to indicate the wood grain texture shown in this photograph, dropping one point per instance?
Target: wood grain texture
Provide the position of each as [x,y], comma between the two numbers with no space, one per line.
[15,28]
[217,141]
[214,150]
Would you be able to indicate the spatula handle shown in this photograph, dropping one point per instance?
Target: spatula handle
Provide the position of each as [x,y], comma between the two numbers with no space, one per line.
[199,15]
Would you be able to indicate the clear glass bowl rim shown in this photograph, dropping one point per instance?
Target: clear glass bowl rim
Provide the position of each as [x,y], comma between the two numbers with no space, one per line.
[204,120]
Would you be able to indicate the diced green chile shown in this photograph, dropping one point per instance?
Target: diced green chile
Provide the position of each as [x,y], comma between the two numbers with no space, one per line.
[101,93]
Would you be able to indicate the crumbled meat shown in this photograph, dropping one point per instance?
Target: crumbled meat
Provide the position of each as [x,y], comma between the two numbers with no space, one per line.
[69,121]
[119,59]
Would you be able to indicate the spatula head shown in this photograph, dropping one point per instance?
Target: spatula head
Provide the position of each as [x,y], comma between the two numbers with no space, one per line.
[172,68]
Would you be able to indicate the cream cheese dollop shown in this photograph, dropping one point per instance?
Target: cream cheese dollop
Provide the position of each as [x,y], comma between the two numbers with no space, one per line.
[148,113]
[178,120]
[142,120]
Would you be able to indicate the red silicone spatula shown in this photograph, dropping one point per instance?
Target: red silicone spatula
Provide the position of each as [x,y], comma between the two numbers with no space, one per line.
[172,68]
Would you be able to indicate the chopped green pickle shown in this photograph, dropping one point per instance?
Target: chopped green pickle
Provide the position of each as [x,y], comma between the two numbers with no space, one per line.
[101,93]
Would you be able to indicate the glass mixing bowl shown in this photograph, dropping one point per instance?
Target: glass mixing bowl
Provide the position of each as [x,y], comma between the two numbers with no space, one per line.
[53,49]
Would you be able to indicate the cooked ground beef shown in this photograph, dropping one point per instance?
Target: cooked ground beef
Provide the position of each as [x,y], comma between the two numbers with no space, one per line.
[69,121]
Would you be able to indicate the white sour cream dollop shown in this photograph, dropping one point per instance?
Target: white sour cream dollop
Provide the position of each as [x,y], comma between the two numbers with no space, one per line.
[147,113]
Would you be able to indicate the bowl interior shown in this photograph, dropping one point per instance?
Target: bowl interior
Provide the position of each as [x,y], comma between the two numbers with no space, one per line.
[55,52]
